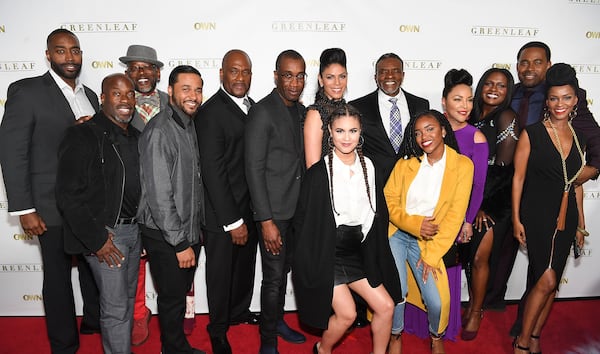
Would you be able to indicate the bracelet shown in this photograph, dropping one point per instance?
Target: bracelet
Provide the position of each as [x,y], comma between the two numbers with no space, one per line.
[583,231]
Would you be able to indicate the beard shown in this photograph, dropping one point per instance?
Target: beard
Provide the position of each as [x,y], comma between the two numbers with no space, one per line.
[58,68]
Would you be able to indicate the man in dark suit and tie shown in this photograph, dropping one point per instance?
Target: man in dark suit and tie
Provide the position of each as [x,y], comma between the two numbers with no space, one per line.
[229,233]
[386,113]
[274,167]
[37,113]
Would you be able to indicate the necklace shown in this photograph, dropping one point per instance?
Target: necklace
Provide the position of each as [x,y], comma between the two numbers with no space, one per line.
[568,182]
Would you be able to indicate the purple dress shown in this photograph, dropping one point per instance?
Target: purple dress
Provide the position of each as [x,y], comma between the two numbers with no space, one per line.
[415,319]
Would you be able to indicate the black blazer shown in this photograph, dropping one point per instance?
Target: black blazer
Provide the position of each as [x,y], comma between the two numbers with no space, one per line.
[274,157]
[36,117]
[377,144]
[220,128]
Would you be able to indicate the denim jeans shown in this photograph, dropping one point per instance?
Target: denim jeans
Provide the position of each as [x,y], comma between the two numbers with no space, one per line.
[405,248]
[117,287]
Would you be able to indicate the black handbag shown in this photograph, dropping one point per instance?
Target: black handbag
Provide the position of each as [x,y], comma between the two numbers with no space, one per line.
[451,257]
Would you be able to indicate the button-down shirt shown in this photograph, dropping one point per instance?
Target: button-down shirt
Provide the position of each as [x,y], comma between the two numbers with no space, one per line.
[424,191]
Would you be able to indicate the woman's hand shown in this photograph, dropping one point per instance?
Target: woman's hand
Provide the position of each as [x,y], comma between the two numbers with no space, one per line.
[579,238]
[519,233]
[466,232]
[428,228]
[483,220]
[427,269]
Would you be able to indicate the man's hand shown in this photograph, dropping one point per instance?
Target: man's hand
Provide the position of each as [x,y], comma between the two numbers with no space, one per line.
[186,258]
[109,253]
[32,224]
[271,237]
[239,235]
[82,119]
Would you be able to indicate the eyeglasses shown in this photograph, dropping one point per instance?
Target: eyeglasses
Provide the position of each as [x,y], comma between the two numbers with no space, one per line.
[147,68]
[289,76]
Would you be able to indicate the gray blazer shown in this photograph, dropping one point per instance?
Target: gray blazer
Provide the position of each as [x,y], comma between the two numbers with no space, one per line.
[172,198]
[274,158]
[36,117]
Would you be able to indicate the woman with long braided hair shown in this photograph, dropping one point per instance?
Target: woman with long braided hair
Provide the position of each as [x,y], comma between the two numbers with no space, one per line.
[339,245]
[427,196]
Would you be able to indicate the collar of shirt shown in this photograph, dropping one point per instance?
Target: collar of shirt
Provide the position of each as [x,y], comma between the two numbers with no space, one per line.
[63,85]
[180,117]
[344,170]
[439,164]
[238,100]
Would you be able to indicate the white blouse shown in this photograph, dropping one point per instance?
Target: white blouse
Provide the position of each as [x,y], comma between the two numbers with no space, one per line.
[352,206]
[424,191]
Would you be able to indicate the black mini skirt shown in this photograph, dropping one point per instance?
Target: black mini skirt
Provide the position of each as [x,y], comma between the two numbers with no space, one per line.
[348,260]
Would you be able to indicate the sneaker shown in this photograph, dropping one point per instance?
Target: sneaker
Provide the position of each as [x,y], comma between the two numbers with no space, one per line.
[140,332]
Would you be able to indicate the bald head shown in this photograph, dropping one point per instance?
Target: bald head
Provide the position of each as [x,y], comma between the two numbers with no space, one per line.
[118,99]
[236,73]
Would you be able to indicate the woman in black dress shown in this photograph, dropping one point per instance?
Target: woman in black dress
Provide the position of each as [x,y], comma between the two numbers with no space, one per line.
[548,159]
[493,116]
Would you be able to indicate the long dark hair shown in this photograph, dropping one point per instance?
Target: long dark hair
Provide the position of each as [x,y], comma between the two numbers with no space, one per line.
[478,100]
[347,110]
[409,147]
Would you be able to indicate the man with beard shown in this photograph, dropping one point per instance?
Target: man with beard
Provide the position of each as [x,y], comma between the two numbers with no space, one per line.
[172,203]
[143,68]
[38,111]
[97,192]
[229,233]
[274,160]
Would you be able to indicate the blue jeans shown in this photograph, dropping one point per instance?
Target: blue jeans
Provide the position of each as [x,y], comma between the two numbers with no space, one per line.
[117,287]
[406,249]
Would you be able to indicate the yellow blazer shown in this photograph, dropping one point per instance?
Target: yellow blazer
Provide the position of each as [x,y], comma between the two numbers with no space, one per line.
[449,214]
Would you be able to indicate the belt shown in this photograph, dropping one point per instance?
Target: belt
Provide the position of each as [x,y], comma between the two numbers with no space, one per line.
[127,221]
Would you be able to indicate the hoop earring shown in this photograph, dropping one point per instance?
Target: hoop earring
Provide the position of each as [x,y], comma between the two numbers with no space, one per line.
[573,113]
[546,113]
[361,142]
[330,142]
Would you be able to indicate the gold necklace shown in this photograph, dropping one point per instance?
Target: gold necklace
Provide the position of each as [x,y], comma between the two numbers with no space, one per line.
[568,182]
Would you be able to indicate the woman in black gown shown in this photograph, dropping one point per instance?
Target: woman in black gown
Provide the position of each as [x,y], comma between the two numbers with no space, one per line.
[546,206]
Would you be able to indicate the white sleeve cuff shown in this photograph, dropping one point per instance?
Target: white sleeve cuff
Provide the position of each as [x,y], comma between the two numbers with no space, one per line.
[233,226]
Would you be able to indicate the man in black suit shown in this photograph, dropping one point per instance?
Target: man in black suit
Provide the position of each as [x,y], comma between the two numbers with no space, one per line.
[274,167]
[377,111]
[37,113]
[229,233]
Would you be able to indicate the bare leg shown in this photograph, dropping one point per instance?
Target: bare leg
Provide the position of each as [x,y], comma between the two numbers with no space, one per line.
[383,308]
[344,313]
[534,343]
[536,303]
[479,279]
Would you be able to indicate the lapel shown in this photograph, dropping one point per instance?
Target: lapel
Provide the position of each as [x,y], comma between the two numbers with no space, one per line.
[449,182]
[231,106]
[57,99]
[283,116]
[380,127]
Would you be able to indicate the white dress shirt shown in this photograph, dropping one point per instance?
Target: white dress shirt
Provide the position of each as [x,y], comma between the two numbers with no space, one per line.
[352,206]
[385,107]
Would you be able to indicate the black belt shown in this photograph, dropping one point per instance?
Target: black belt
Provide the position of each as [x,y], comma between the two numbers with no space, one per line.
[127,221]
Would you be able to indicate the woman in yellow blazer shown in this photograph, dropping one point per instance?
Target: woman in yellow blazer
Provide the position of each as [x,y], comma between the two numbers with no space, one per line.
[427,196]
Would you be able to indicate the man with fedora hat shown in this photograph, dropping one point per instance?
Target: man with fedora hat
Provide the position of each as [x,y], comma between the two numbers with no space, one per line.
[143,68]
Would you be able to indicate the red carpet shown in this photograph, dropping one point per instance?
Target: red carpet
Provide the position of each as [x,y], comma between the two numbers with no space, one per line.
[573,327]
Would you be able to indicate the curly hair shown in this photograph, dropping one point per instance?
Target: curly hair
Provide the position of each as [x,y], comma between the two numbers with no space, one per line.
[409,147]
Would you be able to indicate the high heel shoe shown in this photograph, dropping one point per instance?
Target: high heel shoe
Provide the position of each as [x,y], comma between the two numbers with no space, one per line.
[534,337]
[316,348]
[516,345]
[470,335]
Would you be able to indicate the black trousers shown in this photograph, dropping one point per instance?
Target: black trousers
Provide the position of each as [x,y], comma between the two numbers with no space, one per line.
[229,278]
[57,291]
[172,284]
[272,291]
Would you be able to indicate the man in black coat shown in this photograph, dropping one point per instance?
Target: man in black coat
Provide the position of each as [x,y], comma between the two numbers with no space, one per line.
[229,233]
[98,192]
[38,111]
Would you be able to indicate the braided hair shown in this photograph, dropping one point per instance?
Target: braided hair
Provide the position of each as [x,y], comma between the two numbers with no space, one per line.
[409,147]
[347,110]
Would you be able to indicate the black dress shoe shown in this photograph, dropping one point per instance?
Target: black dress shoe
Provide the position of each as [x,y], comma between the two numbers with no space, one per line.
[288,334]
[268,350]
[84,328]
[251,319]
[220,345]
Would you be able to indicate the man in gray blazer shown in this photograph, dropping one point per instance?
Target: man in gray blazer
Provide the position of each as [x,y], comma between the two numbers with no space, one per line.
[143,68]
[274,160]
[37,113]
